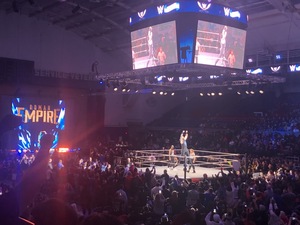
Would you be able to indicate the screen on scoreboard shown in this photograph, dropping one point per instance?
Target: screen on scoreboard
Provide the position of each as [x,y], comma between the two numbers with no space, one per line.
[154,45]
[219,45]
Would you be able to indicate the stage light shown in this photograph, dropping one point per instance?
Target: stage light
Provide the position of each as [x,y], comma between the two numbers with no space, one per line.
[136,91]
[154,92]
[128,90]
[261,91]
[208,94]
[115,89]
[201,94]
[213,76]
[173,93]
[247,92]
[63,150]
[101,81]
[212,94]
[252,92]
[277,56]
[165,93]
[161,93]
[239,93]
[250,60]
[124,90]
[220,93]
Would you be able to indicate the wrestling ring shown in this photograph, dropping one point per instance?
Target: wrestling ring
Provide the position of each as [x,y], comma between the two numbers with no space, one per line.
[207,162]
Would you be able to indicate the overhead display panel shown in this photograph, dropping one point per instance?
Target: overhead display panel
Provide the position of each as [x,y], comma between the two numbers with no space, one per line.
[188,7]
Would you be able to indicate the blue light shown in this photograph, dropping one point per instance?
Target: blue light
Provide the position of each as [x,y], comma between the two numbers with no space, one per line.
[19,151]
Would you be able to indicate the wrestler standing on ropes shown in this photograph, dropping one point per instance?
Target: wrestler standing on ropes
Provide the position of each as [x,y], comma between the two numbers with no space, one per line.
[184,149]
[222,47]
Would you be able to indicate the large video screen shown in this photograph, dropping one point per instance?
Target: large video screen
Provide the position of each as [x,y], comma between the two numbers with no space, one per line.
[154,46]
[39,116]
[219,45]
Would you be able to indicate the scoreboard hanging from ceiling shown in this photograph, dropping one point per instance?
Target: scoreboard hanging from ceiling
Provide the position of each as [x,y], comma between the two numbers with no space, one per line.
[188,32]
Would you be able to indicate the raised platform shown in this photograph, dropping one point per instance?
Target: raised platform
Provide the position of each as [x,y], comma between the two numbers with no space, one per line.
[207,162]
[178,170]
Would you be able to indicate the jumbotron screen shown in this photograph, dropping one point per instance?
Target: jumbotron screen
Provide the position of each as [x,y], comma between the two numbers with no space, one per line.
[154,45]
[219,45]
[39,116]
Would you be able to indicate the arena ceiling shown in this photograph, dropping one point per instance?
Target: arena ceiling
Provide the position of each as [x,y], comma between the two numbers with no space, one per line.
[105,22]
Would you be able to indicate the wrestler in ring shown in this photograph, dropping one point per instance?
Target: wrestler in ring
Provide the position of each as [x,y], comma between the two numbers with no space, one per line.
[183,142]
[173,160]
[192,160]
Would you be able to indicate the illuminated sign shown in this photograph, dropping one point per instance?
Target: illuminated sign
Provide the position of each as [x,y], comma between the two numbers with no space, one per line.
[172,7]
[275,69]
[235,14]
[39,117]
[226,11]
[38,113]
[230,13]
[294,68]
[160,9]
[142,14]
[254,71]
[204,6]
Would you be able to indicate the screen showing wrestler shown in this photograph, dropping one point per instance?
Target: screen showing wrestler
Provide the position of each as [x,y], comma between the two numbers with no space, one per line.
[154,45]
[219,45]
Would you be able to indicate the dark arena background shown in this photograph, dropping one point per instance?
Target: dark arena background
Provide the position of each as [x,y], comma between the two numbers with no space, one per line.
[153,112]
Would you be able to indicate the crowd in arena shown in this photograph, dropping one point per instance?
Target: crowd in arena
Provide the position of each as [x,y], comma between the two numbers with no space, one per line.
[102,185]
[99,184]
